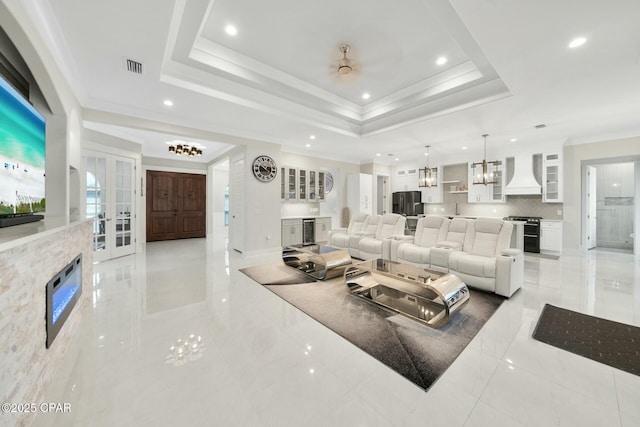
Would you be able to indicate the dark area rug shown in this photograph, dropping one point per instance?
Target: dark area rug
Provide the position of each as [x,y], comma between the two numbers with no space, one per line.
[605,341]
[416,351]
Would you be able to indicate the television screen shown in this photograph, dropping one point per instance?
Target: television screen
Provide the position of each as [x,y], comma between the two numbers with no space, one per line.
[22,153]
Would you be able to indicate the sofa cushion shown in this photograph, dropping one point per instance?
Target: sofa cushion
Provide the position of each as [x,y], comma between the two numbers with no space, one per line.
[370,245]
[430,230]
[370,225]
[340,240]
[389,225]
[357,222]
[474,265]
[413,253]
[461,231]
[486,236]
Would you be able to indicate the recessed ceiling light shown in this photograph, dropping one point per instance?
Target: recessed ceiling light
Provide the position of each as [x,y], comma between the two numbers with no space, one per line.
[396,159]
[231,30]
[312,137]
[378,154]
[168,103]
[426,154]
[308,145]
[366,95]
[513,139]
[578,41]
[464,148]
[442,60]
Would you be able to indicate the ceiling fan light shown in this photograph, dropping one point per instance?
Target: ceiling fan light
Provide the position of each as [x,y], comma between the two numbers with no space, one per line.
[199,153]
[344,66]
[179,149]
[172,149]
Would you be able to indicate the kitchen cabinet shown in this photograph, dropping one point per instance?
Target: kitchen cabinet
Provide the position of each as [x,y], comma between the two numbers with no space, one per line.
[490,193]
[434,194]
[291,232]
[360,193]
[551,236]
[302,185]
[323,225]
[321,184]
[288,183]
[552,178]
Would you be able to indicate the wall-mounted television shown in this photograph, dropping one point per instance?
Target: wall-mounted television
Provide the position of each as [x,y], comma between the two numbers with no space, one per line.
[22,155]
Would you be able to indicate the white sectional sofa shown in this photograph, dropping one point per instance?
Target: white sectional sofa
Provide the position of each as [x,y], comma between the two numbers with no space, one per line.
[416,249]
[486,261]
[339,237]
[378,245]
[477,251]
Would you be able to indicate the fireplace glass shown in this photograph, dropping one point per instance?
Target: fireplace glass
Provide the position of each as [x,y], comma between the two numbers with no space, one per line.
[63,291]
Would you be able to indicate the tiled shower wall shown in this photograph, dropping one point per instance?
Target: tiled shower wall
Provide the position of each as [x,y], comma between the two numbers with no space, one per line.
[514,205]
[614,205]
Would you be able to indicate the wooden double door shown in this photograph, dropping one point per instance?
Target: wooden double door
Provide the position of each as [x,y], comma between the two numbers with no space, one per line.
[176,205]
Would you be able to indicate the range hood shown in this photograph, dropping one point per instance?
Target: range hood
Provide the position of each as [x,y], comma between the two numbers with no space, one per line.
[524,180]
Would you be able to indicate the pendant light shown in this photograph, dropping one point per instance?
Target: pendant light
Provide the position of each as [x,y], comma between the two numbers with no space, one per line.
[185,150]
[485,172]
[428,177]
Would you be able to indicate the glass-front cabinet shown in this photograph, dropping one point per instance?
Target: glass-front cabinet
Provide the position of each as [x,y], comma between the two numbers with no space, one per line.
[552,179]
[312,195]
[321,178]
[302,184]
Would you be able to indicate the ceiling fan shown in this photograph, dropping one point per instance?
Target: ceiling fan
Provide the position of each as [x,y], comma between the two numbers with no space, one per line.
[345,65]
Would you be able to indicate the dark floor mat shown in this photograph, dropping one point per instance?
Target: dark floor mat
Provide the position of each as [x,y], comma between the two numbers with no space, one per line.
[605,341]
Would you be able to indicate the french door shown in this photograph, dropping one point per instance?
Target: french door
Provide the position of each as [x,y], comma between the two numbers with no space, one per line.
[110,200]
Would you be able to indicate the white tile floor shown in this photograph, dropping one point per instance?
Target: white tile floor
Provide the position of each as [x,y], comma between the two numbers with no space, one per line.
[262,362]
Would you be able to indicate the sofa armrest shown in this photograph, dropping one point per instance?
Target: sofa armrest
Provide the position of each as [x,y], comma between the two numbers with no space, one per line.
[512,252]
[509,272]
[363,234]
[337,230]
[449,245]
[402,237]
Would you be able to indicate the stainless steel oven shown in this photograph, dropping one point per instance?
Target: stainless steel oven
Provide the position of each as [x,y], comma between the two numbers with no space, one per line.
[308,231]
[531,232]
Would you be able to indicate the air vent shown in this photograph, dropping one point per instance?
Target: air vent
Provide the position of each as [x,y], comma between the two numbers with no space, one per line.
[134,66]
[540,126]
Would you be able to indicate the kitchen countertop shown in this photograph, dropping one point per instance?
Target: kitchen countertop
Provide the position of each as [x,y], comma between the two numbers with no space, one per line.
[551,220]
[306,216]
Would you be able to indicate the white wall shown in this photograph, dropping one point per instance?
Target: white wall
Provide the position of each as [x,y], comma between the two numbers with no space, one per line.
[217,182]
[55,99]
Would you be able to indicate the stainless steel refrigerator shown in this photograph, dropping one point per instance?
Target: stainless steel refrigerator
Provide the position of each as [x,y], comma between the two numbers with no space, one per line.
[407,203]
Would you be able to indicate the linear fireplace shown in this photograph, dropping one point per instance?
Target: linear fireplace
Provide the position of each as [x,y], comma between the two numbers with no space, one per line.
[63,292]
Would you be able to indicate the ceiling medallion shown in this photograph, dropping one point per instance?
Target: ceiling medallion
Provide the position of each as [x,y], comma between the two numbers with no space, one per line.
[344,65]
[185,150]
[485,172]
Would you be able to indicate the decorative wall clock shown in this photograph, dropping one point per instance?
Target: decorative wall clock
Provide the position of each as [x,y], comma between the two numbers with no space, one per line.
[328,182]
[264,168]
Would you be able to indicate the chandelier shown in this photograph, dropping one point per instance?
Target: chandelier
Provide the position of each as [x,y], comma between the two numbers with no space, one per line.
[428,177]
[485,172]
[185,150]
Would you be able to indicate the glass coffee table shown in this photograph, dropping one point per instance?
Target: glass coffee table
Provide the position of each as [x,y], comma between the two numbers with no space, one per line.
[317,261]
[428,296]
